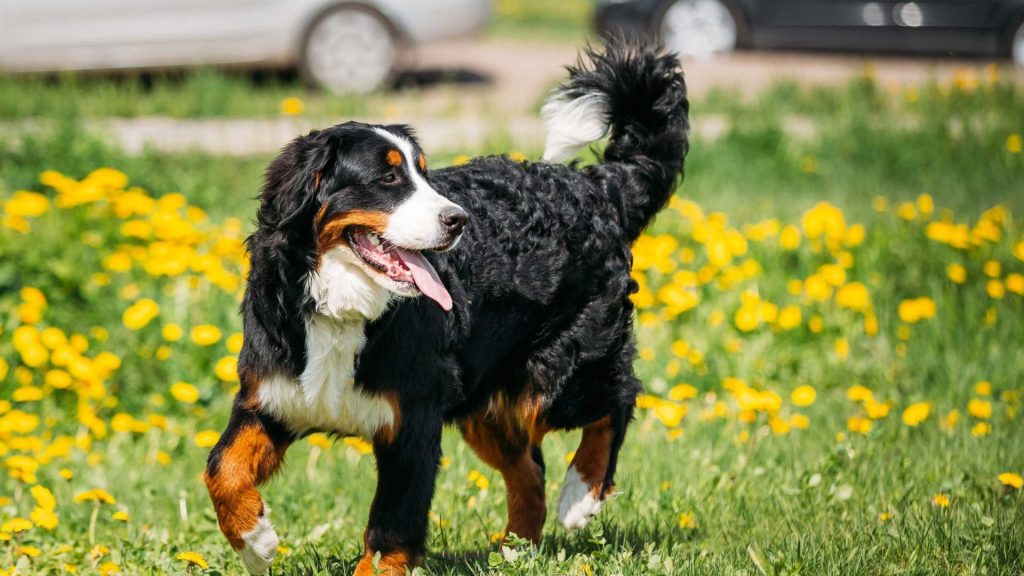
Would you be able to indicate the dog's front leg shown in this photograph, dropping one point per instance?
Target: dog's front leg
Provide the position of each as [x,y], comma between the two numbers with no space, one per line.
[248,452]
[407,463]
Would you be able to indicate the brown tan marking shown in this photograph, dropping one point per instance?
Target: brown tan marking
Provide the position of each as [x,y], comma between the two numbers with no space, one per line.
[394,157]
[592,455]
[503,437]
[385,435]
[250,459]
[333,233]
[391,564]
[422,161]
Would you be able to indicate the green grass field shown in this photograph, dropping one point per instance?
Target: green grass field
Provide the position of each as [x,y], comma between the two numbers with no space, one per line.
[829,331]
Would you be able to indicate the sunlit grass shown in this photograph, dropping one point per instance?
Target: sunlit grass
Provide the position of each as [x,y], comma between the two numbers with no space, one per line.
[829,333]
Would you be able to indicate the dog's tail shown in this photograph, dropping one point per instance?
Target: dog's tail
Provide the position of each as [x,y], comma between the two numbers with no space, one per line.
[637,90]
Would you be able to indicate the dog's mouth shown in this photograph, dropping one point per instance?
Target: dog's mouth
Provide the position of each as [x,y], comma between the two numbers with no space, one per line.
[408,269]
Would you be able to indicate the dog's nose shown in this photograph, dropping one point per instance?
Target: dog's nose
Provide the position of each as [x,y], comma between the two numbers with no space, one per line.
[454,219]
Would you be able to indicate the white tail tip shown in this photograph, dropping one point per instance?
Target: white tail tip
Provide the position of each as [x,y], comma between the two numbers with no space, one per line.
[573,123]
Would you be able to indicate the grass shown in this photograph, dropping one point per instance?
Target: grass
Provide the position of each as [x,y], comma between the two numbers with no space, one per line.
[728,481]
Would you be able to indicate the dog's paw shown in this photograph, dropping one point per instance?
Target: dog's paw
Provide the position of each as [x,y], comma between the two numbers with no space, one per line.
[260,546]
[577,504]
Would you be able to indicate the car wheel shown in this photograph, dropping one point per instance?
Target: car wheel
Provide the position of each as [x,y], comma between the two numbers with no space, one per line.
[1017,45]
[700,27]
[349,49]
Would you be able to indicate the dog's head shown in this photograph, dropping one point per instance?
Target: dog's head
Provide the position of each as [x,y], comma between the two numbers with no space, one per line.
[354,199]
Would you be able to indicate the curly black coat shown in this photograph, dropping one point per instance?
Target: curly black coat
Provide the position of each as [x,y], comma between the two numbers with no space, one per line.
[539,337]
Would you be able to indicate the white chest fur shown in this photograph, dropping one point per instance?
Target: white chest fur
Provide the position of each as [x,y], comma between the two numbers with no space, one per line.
[325,397]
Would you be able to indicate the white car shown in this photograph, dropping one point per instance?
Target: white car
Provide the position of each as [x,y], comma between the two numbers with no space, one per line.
[338,45]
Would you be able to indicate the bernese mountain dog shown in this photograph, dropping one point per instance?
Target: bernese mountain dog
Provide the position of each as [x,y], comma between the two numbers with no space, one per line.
[385,300]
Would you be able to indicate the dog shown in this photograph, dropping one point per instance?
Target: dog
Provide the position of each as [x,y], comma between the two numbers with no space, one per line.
[386,300]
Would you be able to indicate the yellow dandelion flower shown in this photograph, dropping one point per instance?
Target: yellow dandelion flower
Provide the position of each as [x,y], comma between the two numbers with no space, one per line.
[859,424]
[956,273]
[981,429]
[205,334]
[940,500]
[227,369]
[979,408]
[120,516]
[1014,144]
[803,396]
[687,521]
[234,343]
[291,106]
[682,392]
[361,446]
[16,525]
[1011,479]
[206,438]
[185,392]
[172,332]
[44,518]
[193,559]
[916,413]
[43,497]
[139,314]
[97,495]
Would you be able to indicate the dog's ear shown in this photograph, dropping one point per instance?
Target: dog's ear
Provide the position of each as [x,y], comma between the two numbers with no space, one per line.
[295,182]
[281,253]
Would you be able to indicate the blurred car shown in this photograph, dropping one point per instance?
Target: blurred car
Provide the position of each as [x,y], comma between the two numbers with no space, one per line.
[338,45]
[699,27]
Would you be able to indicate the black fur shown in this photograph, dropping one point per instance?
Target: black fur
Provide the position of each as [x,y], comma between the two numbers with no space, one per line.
[540,281]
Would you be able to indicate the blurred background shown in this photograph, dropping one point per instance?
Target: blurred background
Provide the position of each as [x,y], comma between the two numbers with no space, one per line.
[828,315]
[240,77]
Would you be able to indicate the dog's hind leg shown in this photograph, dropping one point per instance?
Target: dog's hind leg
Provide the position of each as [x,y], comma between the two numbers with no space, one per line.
[589,481]
[250,451]
[510,442]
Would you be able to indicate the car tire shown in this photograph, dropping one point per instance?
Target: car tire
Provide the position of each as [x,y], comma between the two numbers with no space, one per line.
[349,49]
[699,28]
[1016,43]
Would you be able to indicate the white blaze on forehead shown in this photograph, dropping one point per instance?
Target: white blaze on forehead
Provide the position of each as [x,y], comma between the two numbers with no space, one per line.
[416,223]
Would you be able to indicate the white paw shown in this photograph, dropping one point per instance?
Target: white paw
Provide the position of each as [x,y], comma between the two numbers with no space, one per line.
[576,505]
[260,546]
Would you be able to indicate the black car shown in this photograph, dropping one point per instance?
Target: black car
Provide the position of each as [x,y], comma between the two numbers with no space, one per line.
[952,27]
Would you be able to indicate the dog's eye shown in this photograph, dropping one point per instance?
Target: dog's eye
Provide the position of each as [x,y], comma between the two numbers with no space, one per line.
[390,179]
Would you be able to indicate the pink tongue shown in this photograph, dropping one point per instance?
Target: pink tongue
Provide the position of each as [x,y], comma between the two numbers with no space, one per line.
[426,278]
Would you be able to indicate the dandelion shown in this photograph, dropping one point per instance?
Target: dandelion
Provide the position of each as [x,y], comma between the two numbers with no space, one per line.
[940,500]
[15,525]
[192,559]
[291,106]
[172,332]
[981,429]
[1012,480]
[1013,143]
[185,392]
[885,516]
[120,516]
[979,408]
[916,413]
[139,314]
[205,334]
[234,343]
[803,396]
[206,438]
[956,273]
[914,310]
[858,424]
[687,521]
